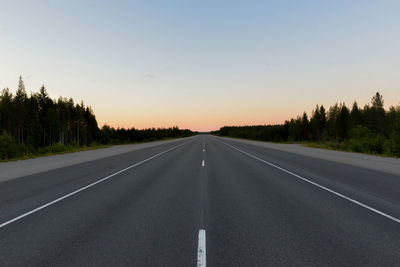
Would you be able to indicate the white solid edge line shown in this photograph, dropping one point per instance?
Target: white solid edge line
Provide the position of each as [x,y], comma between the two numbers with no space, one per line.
[320,186]
[201,249]
[85,187]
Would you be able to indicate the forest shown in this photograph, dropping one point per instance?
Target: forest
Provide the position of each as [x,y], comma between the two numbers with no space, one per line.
[368,129]
[36,124]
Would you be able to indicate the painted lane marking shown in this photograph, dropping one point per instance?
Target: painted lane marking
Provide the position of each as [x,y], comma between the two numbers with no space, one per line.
[318,185]
[201,249]
[85,187]
[203,163]
[204,150]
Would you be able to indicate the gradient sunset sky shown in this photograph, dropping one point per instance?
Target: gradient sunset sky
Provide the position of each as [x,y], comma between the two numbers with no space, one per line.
[203,64]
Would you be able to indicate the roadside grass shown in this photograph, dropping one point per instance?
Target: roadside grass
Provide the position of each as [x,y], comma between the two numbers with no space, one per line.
[48,152]
[260,140]
[345,148]
[59,149]
[353,146]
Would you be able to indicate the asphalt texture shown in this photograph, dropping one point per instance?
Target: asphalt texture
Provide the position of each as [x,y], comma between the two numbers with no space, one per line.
[149,205]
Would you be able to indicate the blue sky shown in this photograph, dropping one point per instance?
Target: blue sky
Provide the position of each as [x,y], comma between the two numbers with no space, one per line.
[203,64]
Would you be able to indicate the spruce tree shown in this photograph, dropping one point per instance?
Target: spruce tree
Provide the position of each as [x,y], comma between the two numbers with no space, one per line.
[21,110]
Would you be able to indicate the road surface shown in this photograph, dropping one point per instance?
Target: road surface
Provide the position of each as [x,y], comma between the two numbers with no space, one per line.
[202,201]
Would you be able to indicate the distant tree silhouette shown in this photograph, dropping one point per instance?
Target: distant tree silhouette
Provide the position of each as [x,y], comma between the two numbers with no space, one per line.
[29,124]
[370,129]
[377,114]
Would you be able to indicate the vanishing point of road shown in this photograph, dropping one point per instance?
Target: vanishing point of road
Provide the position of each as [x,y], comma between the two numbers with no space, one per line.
[203,200]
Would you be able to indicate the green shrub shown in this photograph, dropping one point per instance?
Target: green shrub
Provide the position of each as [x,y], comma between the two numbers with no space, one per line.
[364,141]
[74,144]
[94,143]
[375,144]
[360,132]
[356,145]
[9,148]
[54,148]
[392,146]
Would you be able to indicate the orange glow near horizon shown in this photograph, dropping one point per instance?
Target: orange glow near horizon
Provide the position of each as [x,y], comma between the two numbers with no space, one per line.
[215,116]
[202,121]
[149,64]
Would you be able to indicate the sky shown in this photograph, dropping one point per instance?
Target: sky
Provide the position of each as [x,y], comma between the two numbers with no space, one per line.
[202,64]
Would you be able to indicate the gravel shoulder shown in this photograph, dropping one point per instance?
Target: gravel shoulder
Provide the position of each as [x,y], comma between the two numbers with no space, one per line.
[20,168]
[377,163]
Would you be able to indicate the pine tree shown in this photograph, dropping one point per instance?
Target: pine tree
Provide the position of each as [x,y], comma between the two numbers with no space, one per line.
[44,106]
[314,121]
[377,101]
[355,115]
[321,120]
[304,127]
[343,122]
[333,115]
[7,111]
[21,111]
[377,114]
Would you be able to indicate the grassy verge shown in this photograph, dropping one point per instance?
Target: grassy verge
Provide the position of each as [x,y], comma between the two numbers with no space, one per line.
[67,149]
[344,148]
[259,140]
[362,146]
[58,149]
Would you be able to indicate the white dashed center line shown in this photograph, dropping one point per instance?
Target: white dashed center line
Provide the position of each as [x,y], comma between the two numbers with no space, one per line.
[201,249]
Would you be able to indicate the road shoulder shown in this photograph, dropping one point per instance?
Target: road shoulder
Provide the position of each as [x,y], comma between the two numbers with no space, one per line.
[20,168]
[377,163]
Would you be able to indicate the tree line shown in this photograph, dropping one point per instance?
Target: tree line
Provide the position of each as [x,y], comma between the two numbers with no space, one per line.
[370,129]
[36,123]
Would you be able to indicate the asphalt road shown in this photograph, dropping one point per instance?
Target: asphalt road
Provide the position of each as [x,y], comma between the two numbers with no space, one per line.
[204,200]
